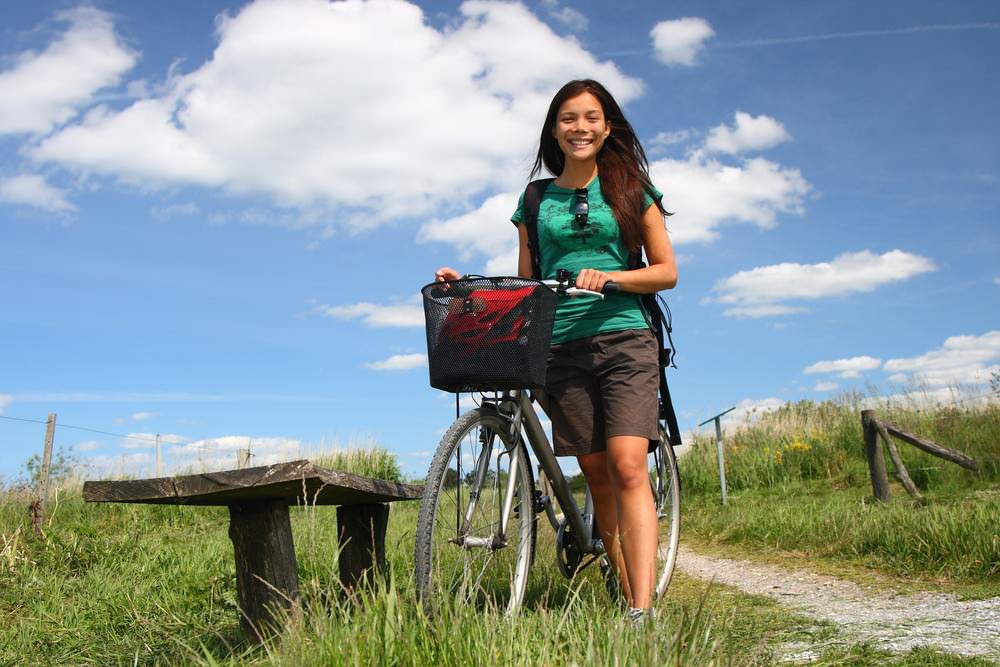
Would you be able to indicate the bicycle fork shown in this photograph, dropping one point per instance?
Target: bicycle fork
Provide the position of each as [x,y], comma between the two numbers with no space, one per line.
[498,539]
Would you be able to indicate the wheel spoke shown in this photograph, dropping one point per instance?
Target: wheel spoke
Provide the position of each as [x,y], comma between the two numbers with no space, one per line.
[469,562]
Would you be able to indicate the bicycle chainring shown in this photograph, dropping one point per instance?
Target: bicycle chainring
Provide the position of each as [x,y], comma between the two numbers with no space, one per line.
[568,557]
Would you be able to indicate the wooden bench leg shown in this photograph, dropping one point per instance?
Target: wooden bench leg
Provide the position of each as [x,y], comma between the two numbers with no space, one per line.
[361,531]
[266,576]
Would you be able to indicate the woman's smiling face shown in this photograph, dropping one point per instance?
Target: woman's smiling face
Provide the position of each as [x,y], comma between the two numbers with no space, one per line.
[580,127]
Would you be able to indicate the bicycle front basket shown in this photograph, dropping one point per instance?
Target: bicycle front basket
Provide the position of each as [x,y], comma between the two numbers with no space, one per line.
[487,334]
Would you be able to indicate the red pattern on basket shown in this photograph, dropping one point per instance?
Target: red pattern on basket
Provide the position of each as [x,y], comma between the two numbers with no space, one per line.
[485,318]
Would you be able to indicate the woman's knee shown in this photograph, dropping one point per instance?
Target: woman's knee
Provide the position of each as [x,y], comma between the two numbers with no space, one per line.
[595,470]
[627,474]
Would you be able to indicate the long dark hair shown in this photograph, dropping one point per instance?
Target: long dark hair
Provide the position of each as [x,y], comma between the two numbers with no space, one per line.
[621,163]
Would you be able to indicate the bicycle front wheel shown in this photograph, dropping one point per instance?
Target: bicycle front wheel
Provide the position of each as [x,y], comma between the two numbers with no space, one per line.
[666,482]
[475,537]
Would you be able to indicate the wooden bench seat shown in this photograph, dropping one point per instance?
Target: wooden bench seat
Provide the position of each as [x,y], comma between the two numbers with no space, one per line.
[260,528]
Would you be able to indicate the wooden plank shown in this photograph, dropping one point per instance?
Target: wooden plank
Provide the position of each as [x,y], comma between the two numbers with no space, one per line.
[901,471]
[932,447]
[361,532]
[267,579]
[294,481]
[876,461]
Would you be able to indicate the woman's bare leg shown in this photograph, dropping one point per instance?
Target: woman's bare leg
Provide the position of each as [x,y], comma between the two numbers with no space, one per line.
[635,513]
[595,470]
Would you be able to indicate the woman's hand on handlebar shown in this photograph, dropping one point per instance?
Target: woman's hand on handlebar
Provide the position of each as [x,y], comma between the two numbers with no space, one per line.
[446,273]
[593,280]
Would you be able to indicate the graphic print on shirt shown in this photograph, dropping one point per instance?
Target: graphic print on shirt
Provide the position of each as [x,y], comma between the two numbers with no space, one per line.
[585,238]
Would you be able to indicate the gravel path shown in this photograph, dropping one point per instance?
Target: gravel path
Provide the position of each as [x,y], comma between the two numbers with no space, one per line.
[891,621]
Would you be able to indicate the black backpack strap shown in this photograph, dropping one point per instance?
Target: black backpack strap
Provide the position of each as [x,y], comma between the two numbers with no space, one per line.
[529,217]
[660,321]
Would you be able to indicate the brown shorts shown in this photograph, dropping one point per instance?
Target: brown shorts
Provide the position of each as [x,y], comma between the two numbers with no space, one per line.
[603,386]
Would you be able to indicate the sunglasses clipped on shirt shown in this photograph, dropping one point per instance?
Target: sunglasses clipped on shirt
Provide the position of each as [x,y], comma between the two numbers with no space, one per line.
[581,207]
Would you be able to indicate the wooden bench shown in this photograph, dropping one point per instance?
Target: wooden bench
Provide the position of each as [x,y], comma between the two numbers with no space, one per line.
[260,529]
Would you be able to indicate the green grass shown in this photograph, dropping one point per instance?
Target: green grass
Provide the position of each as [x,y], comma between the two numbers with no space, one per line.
[114,583]
[799,488]
[369,461]
[137,584]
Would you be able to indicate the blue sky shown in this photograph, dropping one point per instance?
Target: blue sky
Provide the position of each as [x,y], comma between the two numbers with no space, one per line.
[215,217]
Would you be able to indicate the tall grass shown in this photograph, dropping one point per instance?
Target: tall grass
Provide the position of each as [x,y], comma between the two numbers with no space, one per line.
[144,584]
[800,484]
[370,462]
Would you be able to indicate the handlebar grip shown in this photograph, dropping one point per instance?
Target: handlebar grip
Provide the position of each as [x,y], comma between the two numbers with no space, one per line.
[611,287]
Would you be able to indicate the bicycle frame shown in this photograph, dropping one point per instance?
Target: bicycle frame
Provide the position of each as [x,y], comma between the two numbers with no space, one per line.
[518,403]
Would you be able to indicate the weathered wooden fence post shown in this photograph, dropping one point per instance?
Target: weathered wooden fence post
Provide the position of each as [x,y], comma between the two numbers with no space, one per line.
[897,461]
[876,461]
[37,508]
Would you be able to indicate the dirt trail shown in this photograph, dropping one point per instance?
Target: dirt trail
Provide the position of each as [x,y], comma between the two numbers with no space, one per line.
[892,622]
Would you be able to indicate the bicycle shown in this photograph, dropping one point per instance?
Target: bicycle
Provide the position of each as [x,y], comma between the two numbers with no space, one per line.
[476,531]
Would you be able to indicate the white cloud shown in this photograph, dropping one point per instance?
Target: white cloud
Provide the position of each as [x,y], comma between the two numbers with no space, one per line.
[33,190]
[825,386]
[148,440]
[481,232]
[750,133]
[124,465]
[747,412]
[703,193]
[706,193]
[917,396]
[663,140]
[321,92]
[845,368]
[961,360]
[171,211]
[5,400]
[996,281]
[399,362]
[143,416]
[45,89]
[569,17]
[762,291]
[679,42]
[222,453]
[86,446]
[376,315]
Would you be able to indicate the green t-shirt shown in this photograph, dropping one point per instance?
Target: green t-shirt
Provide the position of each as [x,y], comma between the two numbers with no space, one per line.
[597,245]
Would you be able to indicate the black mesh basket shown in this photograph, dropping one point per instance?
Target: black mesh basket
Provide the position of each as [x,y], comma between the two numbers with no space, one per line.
[487,334]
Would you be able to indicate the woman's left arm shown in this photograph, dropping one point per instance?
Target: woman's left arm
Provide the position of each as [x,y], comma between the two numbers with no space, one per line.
[661,273]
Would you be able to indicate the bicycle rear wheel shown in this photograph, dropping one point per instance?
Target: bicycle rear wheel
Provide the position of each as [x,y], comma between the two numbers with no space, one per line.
[666,482]
[463,549]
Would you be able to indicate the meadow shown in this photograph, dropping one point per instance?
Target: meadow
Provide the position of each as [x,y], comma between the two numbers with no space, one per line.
[116,584]
[800,492]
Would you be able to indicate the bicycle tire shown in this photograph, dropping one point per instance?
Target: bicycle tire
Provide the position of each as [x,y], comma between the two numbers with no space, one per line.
[484,576]
[666,481]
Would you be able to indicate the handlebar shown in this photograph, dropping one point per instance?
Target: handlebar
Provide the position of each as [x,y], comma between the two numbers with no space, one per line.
[561,287]
[610,287]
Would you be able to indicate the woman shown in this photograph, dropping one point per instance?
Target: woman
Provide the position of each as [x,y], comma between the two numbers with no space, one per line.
[602,377]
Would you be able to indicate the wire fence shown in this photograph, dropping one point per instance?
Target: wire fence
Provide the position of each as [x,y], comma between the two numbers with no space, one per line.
[149,454]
